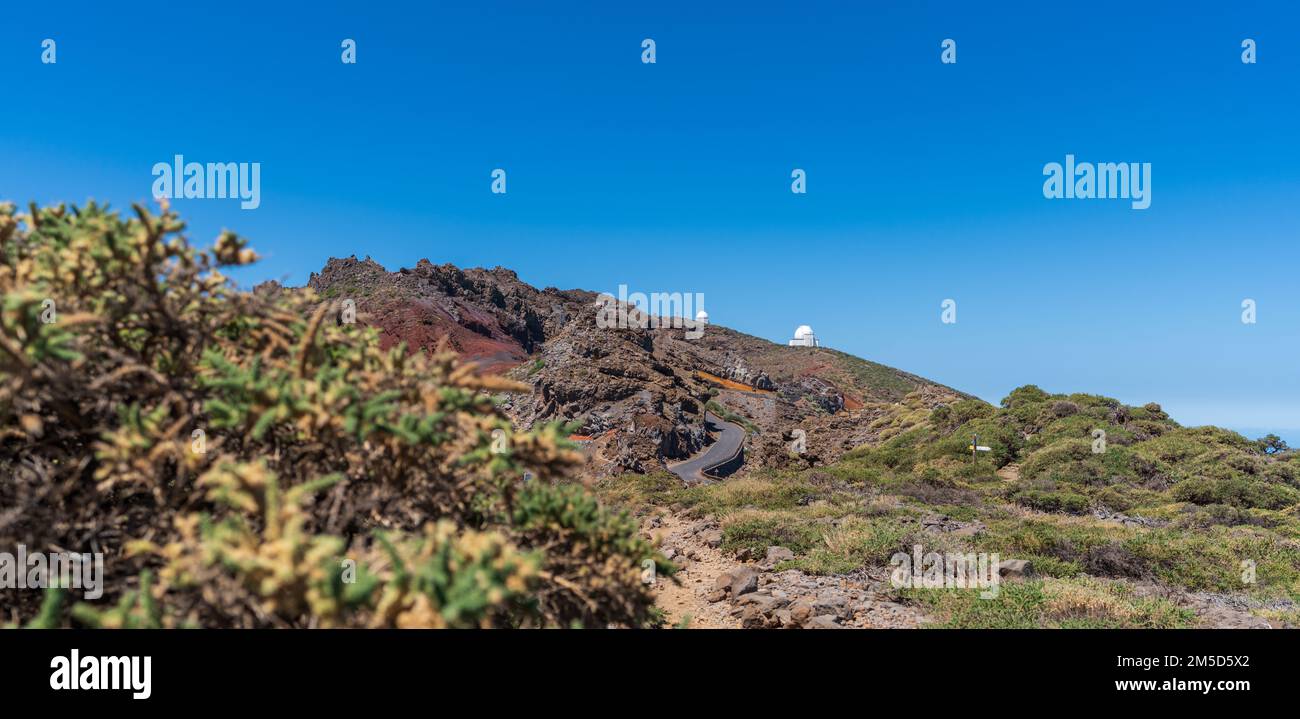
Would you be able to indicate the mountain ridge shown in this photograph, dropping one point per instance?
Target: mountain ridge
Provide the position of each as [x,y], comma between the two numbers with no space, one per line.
[640,393]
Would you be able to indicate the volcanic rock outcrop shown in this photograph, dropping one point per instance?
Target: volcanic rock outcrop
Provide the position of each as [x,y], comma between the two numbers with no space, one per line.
[634,396]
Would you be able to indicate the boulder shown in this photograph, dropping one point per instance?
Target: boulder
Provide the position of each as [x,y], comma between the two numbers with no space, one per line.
[779,554]
[1016,568]
[823,621]
[801,610]
[776,555]
[766,603]
[753,618]
[830,601]
[744,580]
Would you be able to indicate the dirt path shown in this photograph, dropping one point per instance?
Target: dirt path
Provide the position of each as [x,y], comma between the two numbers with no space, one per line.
[769,599]
[858,600]
[687,599]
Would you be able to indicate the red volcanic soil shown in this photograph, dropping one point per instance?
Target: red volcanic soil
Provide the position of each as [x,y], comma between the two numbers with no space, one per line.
[487,316]
[422,325]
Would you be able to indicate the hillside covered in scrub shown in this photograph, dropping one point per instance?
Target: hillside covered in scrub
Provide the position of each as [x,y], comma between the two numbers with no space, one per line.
[1076,453]
[1163,526]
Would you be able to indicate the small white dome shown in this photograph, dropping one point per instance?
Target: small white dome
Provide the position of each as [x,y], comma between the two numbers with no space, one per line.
[701,316]
[803,333]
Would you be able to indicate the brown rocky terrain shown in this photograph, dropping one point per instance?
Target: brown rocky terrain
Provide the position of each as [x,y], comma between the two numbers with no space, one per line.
[635,396]
[488,316]
[715,589]
[719,590]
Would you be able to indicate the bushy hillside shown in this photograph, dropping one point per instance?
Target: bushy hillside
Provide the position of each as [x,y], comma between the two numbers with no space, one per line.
[257,459]
[1161,526]
[1076,453]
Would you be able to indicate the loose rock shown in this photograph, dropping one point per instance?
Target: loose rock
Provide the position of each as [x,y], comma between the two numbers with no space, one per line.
[744,580]
[824,621]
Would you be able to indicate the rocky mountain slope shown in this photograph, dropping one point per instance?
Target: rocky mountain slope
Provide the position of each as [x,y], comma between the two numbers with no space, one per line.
[635,396]
[1099,514]
[487,316]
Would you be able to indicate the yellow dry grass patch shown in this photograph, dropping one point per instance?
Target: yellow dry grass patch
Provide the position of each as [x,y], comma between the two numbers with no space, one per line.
[1092,600]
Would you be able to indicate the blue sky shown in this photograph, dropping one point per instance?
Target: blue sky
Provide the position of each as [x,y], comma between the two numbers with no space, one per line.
[924,179]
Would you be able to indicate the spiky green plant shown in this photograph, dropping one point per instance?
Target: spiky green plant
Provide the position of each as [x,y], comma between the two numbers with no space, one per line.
[257,442]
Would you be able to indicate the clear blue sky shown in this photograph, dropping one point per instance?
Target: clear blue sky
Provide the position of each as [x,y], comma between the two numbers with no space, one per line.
[924,179]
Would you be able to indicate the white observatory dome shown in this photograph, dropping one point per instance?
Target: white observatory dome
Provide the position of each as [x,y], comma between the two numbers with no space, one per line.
[804,337]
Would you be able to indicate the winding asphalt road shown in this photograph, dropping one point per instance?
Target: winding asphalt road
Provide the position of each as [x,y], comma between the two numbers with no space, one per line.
[730,438]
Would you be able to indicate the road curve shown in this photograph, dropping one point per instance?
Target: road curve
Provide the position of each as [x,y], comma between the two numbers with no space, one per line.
[730,438]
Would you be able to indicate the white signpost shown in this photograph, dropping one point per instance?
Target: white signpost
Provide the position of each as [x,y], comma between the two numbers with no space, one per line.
[975,446]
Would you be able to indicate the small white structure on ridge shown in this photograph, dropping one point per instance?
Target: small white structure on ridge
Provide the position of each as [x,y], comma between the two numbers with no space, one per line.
[804,337]
[702,317]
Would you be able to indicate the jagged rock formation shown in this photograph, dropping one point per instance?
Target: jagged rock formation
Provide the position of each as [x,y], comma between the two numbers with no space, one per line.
[489,316]
[636,396]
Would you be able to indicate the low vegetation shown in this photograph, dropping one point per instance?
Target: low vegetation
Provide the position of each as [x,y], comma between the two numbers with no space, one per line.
[1102,498]
[729,416]
[1083,603]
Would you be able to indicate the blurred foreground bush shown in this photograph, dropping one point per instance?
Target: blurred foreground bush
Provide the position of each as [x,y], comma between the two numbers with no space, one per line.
[255,459]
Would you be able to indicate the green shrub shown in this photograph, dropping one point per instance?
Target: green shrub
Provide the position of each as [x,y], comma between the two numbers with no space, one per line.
[1238,492]
[855,543]
[759,531]
[1051,501]
[260,440]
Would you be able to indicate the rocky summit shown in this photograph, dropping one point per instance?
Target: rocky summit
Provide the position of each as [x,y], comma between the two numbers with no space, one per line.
[635,398]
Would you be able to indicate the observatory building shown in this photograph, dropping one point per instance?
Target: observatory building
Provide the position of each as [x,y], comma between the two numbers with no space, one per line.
[804,337]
